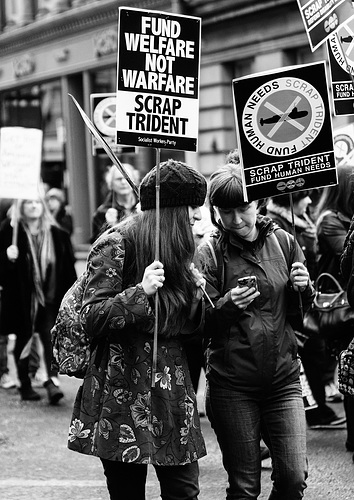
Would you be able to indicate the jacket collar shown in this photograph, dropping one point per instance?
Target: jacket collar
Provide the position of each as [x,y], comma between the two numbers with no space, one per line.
[265,226]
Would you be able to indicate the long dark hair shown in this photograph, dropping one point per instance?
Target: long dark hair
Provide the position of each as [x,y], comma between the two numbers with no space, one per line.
[177,250]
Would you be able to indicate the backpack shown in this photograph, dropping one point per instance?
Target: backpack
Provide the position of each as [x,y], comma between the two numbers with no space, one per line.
[71,346]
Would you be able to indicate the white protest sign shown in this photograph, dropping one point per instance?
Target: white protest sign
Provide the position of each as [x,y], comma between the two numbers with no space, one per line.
[158,79]
[344,144]
[20,162]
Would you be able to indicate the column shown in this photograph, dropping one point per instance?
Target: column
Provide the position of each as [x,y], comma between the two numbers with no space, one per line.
[17,13]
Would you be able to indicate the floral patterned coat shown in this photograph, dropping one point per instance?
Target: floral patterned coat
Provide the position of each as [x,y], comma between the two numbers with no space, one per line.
[117,414]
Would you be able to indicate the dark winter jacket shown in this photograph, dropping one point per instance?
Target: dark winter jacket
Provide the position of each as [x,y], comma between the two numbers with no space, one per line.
[99,224]
[254,349]
[347,263]
[332,228]
[305,233]
[16,278]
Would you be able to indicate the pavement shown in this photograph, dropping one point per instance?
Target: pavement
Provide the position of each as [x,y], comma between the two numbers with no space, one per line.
[36,464]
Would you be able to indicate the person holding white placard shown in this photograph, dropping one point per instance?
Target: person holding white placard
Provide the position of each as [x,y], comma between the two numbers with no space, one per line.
[36,269]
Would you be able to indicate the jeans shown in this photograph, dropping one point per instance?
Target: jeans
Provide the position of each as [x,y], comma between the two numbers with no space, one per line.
[240,419]
[127,480]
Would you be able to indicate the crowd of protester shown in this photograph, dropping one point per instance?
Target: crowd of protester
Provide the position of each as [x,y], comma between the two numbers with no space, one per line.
[253,390]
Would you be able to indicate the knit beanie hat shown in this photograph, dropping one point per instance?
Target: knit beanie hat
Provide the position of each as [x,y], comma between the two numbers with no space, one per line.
[180,185]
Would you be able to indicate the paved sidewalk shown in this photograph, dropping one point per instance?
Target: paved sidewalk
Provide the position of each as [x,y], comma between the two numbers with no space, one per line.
[36,464]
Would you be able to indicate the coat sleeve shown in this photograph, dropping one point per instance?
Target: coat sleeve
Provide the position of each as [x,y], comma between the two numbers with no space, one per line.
[332,231]
[106,307]
[347,263]
[346,258]
[213,273]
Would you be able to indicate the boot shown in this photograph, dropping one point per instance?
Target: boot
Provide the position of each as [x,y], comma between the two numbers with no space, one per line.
[28,394]
[54,393]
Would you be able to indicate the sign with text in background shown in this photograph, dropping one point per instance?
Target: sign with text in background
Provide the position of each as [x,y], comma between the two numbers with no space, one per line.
[20,162]
[340,48]
[158,70]
[103,116]
[284,129]
[322,18]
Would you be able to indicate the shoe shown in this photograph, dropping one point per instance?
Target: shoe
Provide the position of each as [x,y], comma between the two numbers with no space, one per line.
[332,393]
[38,379]
[349,446]
[54,393]
[6,381]
[329,423]
[28,394]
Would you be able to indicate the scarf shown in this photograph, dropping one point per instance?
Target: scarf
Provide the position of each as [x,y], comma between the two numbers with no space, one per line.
[42,255]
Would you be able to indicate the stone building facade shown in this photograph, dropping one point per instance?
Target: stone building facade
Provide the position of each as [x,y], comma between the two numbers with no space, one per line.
[52,48]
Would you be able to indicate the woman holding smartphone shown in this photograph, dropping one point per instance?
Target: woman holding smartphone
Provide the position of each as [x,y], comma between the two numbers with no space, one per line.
[253,385]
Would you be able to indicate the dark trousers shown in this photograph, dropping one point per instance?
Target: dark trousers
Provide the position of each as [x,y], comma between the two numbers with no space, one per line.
[43,324]
[126,480]
[240,418]
[195,358]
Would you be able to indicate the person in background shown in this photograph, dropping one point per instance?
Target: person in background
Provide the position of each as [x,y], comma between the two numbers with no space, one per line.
[120,200]
[35,272]
[311,350]
[253,385]
[55,199]
[334,212]
[279,210]
[6,381]
[347,271]
[137,406]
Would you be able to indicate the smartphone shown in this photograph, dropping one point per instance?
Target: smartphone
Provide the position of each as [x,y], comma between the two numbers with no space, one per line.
[250,281]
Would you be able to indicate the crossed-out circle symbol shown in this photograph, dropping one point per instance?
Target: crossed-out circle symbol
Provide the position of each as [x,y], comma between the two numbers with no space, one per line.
[104,116]
[280,119]
[343,145]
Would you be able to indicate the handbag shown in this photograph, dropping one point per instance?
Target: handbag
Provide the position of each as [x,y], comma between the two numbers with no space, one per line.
[330,315]
[346,370]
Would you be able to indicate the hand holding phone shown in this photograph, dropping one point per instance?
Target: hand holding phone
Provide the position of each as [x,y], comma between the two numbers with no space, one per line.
[249,281]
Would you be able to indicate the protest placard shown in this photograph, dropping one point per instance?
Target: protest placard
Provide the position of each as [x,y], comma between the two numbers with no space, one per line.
[341,62]
[344,145]
[158,79]
[322,18]
[284,130]
[20,162]
[105,146]
[103,116]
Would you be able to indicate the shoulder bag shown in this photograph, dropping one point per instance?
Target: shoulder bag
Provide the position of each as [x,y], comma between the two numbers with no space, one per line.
[330,315]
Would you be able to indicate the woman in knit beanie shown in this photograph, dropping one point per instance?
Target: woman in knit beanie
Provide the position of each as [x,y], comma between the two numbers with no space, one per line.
[129,412]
